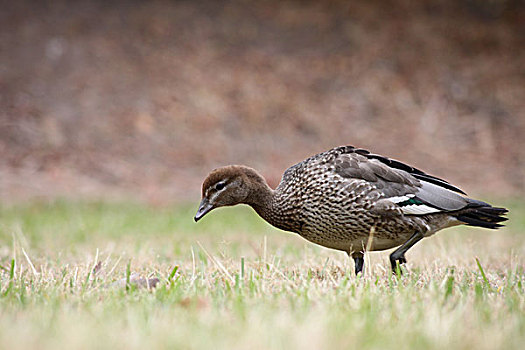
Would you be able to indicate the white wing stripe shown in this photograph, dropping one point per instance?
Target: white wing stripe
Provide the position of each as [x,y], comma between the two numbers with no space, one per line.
[400,199]
[418,209]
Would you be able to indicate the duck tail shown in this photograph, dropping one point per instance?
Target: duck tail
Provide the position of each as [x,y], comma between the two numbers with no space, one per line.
[482,214]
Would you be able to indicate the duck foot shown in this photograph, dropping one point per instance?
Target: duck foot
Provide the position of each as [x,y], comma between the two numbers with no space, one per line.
[359,264]
[398,256]
[396,262]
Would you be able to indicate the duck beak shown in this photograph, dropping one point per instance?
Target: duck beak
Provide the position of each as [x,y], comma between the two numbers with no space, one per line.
[204,208]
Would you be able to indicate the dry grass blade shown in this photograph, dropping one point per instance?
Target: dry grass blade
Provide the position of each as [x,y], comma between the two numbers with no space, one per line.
[217,263]
[35,272]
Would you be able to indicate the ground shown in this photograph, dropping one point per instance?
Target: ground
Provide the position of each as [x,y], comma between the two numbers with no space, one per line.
[233,282]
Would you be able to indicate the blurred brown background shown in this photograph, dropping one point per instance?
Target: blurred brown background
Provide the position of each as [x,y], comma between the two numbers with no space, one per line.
[141,99]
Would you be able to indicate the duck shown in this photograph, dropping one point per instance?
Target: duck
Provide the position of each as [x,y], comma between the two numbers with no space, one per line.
[351,200]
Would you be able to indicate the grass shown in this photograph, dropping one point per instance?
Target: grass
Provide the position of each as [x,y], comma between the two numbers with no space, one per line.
[67,272]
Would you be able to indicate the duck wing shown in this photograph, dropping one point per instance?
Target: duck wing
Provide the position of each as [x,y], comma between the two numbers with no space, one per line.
[395,186]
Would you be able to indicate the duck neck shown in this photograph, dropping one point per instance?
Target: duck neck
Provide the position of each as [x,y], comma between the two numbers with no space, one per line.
[266,202]
[261,198]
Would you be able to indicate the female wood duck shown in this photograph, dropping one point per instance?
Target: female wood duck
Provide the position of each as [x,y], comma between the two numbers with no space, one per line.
[351,200]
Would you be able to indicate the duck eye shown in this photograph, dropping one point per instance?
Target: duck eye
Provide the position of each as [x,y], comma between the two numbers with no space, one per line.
[220,186]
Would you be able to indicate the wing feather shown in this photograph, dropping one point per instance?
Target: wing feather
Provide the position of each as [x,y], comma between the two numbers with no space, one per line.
[407,189]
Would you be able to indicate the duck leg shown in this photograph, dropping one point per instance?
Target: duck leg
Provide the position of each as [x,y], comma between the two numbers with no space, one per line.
[359,262]
[398,256]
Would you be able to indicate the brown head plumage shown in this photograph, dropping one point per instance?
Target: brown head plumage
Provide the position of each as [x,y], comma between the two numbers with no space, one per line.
[229,185]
